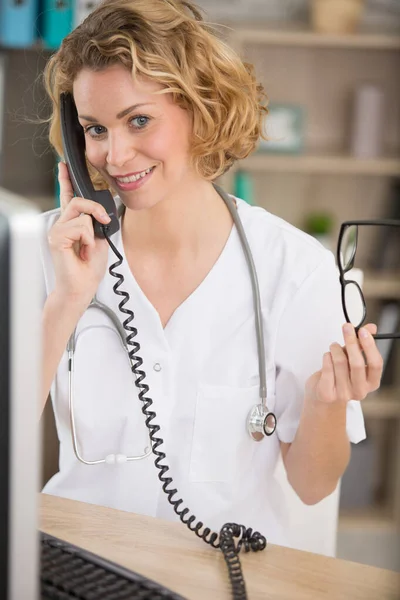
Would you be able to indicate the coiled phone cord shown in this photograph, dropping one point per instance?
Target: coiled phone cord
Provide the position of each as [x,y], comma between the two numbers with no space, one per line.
[230,531]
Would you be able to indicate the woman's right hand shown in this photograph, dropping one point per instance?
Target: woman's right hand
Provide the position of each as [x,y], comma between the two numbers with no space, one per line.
[80,258]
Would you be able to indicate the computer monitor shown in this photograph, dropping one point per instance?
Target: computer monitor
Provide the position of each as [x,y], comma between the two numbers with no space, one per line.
[20,358]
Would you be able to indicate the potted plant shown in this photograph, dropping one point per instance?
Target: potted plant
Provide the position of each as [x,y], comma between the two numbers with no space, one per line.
[320,224]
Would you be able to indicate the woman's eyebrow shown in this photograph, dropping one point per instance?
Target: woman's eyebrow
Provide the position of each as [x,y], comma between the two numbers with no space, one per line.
[120,115]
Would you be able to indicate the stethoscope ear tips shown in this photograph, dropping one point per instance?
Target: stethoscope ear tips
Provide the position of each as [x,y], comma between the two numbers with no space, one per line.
[260,422]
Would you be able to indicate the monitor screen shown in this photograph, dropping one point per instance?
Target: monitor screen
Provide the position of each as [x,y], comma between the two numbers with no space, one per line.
[20,366]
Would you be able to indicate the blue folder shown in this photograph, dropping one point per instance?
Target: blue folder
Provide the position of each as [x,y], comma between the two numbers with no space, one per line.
[18,23]
[55,21]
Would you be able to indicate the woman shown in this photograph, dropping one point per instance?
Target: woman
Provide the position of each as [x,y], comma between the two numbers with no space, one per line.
[166,108]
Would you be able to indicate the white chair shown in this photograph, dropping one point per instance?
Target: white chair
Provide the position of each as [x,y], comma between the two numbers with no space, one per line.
[311,528]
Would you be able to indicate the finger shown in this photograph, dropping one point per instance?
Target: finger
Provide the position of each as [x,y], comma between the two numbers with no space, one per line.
[342,374]
[326,384]
[66,189]
[373,358]
[355,358]
[65,235]
[77,206]
[84,249]
[372,328]
[86,252]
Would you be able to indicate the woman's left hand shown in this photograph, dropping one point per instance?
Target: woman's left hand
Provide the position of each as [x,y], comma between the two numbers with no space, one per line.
[349,372]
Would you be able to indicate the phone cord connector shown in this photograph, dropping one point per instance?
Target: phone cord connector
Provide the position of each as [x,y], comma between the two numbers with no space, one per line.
[232,536]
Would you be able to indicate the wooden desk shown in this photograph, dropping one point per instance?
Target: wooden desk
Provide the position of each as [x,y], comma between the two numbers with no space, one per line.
[172,555]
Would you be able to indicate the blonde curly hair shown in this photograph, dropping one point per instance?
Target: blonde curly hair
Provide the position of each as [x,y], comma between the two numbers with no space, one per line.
[169,42]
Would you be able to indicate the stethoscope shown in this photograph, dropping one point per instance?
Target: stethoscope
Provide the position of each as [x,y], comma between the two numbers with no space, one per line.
[261,421]
[110,458]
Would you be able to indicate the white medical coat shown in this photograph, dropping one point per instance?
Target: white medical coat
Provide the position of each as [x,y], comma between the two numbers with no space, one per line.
[202,371]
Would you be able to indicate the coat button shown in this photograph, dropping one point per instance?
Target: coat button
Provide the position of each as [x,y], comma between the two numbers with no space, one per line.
[157,367]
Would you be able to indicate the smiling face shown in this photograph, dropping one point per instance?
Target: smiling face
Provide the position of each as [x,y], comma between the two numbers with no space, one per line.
[139,141]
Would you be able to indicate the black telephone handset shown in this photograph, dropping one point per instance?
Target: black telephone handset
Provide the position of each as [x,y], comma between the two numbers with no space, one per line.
[73,140]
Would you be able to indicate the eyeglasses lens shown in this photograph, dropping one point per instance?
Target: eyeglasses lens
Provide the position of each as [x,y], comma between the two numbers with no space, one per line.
[354,304]
[348,247]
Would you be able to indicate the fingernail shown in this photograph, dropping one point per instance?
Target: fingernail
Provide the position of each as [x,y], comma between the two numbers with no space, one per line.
[363,333]
[347,329]
[101,215]
[104,217]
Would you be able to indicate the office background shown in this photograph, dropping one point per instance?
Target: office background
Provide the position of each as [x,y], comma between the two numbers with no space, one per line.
[330,69]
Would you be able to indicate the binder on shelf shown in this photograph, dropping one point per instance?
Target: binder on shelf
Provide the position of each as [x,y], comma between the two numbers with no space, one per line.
[82,8]
[18,23]
[55,22]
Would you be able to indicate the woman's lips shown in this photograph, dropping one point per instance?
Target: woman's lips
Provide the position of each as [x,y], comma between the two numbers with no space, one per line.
[134,185]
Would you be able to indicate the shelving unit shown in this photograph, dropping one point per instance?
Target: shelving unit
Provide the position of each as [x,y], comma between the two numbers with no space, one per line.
[320,163]
[319,72]
[378,518]
[297,36]
[381,285]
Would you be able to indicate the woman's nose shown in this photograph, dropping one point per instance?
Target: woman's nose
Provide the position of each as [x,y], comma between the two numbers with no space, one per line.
[120,150]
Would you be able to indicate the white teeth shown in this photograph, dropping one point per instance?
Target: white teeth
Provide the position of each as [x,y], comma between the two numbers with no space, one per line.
[133,178]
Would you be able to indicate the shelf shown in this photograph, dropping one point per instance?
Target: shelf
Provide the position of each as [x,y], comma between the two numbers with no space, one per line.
[283,35]
[306,38]
[37,46]
[382,285]
[383,404]
[366,517]
[320,163]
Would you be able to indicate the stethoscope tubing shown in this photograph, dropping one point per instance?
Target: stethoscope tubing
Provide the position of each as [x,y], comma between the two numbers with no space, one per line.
[258,415]
[256,294]
[71,346]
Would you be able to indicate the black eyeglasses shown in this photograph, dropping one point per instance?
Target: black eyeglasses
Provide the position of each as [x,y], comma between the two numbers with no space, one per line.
[353,301]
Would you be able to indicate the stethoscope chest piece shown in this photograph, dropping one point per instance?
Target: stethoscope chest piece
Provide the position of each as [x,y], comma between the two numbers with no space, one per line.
[260,422]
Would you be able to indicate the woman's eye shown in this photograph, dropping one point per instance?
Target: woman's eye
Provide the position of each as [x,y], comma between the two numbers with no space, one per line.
[95,130]
[140,121]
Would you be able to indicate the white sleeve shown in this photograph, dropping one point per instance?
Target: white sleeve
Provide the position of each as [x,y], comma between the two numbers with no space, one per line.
[311,322]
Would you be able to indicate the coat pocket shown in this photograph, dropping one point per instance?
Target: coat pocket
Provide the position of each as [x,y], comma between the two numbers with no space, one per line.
[221,446]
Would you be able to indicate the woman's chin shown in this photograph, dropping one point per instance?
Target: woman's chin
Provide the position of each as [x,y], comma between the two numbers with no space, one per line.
[134,201]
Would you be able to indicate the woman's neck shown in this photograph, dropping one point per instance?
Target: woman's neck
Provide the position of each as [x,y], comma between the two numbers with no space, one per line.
[183,222]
